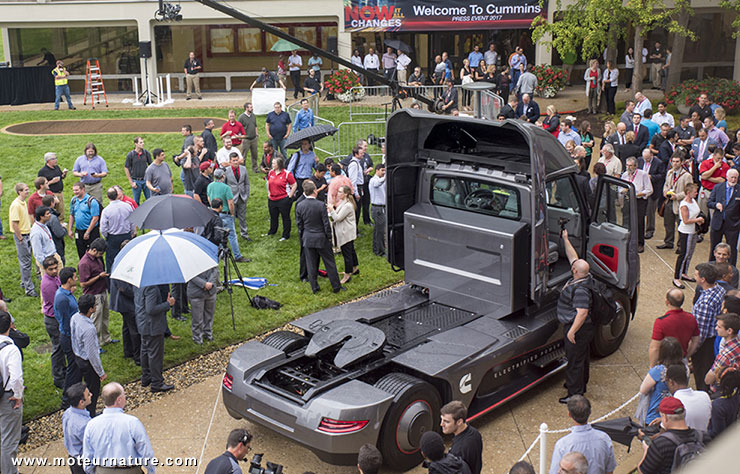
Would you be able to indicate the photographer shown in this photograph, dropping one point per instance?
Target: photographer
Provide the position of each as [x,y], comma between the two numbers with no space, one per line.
[218,189]
[237,448]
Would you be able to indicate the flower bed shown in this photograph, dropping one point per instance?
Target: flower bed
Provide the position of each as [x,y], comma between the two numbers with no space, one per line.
[550,80]
[344,85]
[723,92]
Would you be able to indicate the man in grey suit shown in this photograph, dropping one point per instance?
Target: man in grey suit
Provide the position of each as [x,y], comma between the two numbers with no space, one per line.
[313,224]
[238,180]
[202,291]
[152,304]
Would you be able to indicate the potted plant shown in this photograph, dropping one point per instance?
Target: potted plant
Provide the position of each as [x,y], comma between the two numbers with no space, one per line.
[723,92]
[344,85]
[550,80]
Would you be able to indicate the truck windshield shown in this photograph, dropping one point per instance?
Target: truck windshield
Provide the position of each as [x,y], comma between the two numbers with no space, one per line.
[483,197]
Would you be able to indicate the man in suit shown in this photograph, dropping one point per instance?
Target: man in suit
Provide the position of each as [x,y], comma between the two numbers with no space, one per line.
[152,303]
[312,220]
[617,138]
[668,147]
[656,170]
[643,190]
[642,135]
[509,110]
[725,222]
[238,180]
[529,108]
[700,147]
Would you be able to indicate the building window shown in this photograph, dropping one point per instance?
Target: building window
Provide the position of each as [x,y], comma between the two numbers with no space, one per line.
[221,41]
[237,40]
[250,40]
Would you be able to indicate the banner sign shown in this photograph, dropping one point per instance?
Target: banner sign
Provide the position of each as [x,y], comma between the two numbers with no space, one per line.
[431,15]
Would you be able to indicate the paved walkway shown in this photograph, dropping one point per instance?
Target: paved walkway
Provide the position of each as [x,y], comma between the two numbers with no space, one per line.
[570,99]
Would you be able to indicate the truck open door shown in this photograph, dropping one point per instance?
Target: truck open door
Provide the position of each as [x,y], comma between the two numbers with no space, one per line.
[611,249]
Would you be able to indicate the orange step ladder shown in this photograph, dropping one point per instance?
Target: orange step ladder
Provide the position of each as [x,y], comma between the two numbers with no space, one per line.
[94,83]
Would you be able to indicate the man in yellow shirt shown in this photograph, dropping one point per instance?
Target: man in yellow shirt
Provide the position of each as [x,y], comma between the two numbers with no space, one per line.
[61,77]
[21,225]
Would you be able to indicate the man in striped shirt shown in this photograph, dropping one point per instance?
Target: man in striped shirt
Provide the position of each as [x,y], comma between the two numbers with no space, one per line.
[86,348]
[706,309]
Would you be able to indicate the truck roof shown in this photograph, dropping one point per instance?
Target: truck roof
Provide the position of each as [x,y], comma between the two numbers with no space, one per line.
[415,135]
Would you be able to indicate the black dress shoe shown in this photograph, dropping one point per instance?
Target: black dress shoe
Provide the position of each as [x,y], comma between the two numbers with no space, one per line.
[564,400]
[304,280]
[315,290]
[146,383]
[243,260]
[179,317]
[664,246]
[163,388]
[640,248]
[648,236]
[341,288]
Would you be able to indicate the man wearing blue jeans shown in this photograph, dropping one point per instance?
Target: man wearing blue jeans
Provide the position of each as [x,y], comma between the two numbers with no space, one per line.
[277,126]
[61,77]
[137,160]
[218,193]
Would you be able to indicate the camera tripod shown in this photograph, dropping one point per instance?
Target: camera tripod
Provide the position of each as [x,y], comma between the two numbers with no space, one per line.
[225,252]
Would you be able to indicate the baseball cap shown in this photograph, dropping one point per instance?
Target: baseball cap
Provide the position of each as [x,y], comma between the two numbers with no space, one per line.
[219,173]
[205,165]
[671,406]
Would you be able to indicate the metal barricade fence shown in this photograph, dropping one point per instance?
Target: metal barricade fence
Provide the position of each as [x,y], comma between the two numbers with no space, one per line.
[375,104]
[327,145]
[350,132]
[313,104]
[491,105]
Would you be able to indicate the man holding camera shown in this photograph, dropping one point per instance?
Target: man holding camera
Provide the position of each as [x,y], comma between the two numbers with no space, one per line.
[237,448]
[219,190]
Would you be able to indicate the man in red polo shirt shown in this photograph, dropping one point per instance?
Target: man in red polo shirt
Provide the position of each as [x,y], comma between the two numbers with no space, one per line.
[234,129]
[712,171]
[34,200]
[674,323]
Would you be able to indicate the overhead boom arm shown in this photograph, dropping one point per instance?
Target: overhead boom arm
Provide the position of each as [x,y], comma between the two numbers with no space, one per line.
[309,47]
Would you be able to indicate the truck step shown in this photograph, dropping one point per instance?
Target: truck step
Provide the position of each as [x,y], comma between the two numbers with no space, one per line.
[547,359]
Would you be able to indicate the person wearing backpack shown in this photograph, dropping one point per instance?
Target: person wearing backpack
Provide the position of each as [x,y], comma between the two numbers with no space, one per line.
[574,305]
[84,214]
[676,446]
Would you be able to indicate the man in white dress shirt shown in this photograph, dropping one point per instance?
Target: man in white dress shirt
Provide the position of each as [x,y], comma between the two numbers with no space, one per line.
[643,190]
[372,64]
[11,398]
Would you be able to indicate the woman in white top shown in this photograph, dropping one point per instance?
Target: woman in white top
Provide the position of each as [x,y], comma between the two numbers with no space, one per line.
[629,68]
[345,228]
[466,77]
[689,212]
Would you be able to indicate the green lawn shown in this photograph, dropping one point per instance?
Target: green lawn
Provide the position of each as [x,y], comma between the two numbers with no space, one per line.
[277,261]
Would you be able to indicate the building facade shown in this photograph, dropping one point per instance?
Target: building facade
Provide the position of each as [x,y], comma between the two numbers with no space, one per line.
[232,53]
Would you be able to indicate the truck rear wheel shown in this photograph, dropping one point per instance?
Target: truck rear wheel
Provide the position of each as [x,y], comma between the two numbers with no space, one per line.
[286,341]
[415,410]
[609,337]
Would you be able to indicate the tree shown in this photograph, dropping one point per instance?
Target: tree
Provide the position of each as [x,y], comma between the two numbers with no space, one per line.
[592,25]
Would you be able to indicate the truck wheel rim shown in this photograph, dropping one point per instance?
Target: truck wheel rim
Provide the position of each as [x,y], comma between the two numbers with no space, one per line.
[414,421]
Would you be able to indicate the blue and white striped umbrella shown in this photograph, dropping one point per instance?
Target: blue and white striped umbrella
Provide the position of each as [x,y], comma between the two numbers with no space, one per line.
[164,257]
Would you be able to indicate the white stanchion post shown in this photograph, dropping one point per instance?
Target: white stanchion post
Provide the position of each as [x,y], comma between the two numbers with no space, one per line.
[136,91]
[160,90]
[543,448]
[169,90]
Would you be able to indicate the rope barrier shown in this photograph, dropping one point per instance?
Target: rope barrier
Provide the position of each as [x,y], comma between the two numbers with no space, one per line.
[543,429]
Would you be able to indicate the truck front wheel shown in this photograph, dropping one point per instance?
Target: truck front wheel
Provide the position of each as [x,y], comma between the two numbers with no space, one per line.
[415,409]
[609,337]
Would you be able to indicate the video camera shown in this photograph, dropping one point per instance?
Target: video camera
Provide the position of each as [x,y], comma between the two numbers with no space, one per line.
[255,466]
[373,140]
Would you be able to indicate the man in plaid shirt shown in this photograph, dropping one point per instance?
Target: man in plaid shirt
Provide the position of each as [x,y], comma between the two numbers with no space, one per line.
[727,328]
[706,309]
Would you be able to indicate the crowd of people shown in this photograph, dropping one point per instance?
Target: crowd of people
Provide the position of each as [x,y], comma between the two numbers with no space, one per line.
[685,171]
[330,199]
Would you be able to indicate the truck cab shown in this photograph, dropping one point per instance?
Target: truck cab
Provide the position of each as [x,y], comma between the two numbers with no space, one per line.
[475,210]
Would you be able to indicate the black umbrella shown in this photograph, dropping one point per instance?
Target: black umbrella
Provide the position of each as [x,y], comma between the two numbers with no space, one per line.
[398,44]
[170,211]
[621,430]
[314,133]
